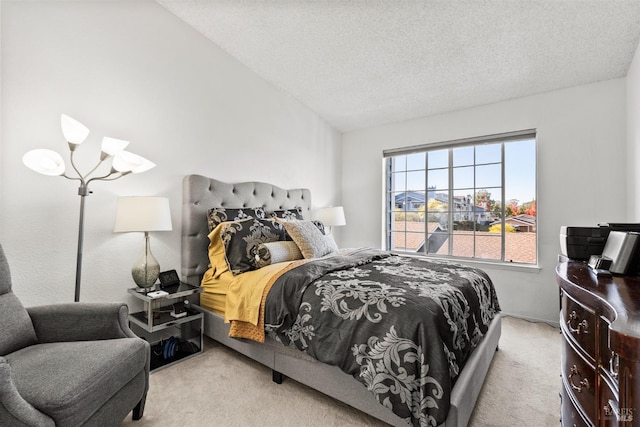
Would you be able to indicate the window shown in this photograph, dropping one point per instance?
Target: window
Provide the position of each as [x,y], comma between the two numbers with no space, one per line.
[473,198]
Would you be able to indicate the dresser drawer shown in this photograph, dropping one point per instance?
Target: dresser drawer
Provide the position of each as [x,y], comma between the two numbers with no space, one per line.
[600,323]
[570,415]
[579,323]
[610,413]
[579,378]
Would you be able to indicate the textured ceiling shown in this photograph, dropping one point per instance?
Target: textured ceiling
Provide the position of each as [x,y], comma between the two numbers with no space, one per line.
[363,63]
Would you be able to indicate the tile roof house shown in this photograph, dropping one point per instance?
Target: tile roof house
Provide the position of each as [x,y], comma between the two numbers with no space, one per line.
[409,236]
[464,209]
[522,222]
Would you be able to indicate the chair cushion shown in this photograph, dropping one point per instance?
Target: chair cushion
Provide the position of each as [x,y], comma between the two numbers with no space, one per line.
[69,381]
[5,273]
[17,330]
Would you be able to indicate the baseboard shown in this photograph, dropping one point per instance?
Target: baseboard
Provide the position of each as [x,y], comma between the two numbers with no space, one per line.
[532,319]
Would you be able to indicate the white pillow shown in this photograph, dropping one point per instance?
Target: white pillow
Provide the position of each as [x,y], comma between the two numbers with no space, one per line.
[274,252]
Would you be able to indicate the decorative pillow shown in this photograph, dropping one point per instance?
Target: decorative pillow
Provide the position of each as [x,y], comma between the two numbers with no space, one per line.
[216,216]
[320,226]
[274,252]
[288,214]
[317,223]
[217,258]
[332,242]
[242,238]
[310,240]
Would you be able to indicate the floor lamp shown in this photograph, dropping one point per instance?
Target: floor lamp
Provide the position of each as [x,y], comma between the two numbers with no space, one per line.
[48,162]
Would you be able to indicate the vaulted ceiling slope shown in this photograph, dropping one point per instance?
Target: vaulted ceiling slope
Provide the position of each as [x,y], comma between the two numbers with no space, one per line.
[363,63]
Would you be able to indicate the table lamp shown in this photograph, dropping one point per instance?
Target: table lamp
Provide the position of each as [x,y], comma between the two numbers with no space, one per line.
[143,214]
[330,217]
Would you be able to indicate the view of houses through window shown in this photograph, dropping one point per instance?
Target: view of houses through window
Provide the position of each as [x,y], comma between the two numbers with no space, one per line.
[473,199]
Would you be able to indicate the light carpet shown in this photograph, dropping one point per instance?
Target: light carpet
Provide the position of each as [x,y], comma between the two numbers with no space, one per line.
[223,388]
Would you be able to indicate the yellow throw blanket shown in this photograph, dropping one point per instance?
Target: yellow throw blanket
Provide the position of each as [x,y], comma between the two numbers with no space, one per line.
[246,293]
[244,309]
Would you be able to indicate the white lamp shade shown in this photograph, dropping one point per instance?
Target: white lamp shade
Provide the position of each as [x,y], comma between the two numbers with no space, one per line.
[332,216]
[125,161]
[74,131]
[46,162]
[112,146]
[138,213]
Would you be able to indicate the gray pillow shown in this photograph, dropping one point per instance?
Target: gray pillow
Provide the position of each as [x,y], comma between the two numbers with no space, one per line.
[310,240]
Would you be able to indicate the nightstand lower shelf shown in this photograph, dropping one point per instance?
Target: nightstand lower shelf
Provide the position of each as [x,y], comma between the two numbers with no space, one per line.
[185,331]
[158,360]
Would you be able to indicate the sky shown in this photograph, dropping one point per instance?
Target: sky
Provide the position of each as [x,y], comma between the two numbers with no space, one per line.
[520,170]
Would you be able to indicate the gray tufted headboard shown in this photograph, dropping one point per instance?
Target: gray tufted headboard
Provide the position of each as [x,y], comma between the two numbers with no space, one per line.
[199,194]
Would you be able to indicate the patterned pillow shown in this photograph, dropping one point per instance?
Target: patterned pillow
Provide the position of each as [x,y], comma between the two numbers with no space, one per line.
[274,252]
[217,215]
[241,240]
[310,240]
[288,214]
[320,226]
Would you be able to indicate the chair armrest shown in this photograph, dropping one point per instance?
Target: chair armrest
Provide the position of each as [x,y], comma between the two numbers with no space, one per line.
[14,410]
[80,321]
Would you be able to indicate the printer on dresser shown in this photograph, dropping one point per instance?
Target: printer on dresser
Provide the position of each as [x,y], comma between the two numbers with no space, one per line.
[600,324]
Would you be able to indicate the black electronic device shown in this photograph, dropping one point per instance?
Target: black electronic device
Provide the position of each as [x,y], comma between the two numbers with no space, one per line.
[623,249]
[179,310]
[169,278]
[579,243]
[598,262]
[582,242]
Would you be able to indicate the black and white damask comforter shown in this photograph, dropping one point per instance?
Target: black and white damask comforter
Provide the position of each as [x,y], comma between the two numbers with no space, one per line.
[403,326]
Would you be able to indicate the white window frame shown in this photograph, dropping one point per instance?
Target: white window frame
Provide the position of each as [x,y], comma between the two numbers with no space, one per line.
[502,138]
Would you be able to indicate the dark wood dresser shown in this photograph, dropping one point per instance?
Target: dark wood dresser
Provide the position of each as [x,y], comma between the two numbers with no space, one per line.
[600,324]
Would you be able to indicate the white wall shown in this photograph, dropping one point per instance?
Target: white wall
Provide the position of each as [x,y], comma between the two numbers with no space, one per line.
[131,70]
[633,136]
[581,174]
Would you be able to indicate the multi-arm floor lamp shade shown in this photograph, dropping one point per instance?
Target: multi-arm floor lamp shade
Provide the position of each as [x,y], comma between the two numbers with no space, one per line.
[48,162]
[143,214]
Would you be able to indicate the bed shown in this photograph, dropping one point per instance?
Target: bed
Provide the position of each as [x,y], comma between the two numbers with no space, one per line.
[201,193]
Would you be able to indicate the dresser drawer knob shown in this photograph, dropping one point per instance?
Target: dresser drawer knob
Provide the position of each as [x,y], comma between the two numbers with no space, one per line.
[584,383]
[582,328]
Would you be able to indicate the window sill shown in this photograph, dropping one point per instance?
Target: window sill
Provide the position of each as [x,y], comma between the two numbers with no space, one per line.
[497,265]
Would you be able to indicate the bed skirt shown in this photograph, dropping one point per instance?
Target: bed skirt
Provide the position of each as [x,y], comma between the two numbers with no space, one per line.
[331,381]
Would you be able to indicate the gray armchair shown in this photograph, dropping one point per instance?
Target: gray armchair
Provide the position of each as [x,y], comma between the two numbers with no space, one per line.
[73,364]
